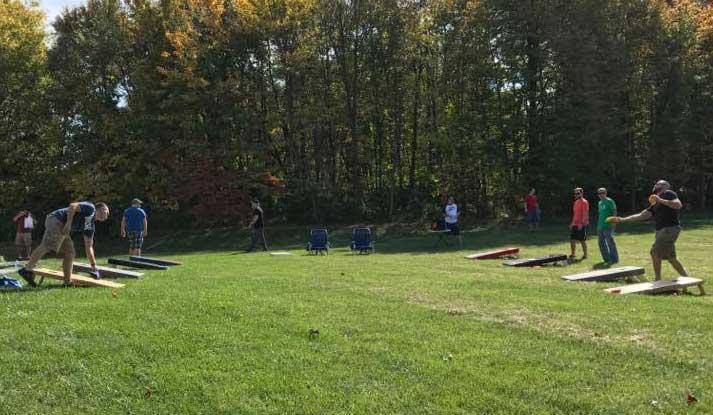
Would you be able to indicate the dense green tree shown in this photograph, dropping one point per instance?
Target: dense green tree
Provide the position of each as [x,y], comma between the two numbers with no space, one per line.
[336,109]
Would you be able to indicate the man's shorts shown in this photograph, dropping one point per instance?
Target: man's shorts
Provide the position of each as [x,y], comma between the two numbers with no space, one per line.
[664,245]
[578,234]
[453,227]
[533,217]
[54,239]
[23,239]
[136,240]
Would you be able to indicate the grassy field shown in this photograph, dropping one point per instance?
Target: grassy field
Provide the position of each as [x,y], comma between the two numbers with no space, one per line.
[405,331]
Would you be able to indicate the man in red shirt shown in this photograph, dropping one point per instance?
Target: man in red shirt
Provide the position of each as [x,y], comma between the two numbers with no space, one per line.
[532,210]
[24,224]
[578,226]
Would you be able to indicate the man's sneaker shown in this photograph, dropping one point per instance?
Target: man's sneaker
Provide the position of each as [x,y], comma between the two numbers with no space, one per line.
[28,276]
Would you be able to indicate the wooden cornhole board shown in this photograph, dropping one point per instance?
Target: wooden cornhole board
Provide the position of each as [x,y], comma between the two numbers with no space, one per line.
[661,286]
[611,274]
[533,262]
[280,253]
[494,254]
[75,279]
[156,261]
[108,271]
[135,264]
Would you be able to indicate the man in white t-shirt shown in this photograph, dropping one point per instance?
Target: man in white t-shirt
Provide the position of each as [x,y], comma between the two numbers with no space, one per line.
[24,223]
[451,217]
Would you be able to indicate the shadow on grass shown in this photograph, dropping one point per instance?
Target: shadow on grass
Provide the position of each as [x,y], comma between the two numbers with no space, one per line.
[26,289]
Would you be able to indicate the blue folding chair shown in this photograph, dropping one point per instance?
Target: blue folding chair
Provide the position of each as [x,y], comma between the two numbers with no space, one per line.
[318,242]
[361,241]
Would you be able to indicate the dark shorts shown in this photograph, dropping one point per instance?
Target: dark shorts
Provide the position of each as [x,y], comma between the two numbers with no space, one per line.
[136,240]
[533,217]
[664,246]
[453,227]
[578,234]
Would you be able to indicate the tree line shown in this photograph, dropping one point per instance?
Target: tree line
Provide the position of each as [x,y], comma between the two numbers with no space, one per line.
[332,110]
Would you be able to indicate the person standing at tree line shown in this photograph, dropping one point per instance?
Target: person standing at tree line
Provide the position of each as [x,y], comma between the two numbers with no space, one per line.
[24,225]
[451,220]
[59,226]
[532,210]
[257,227]
[605,231]
[580,221]
[134,225]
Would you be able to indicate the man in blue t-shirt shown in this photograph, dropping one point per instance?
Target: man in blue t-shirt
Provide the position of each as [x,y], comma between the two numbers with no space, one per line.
[78,217]
[134,226]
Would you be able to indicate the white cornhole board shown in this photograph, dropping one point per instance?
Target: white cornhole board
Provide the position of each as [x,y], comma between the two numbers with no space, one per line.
[611,274]
[280,253]
[656,287]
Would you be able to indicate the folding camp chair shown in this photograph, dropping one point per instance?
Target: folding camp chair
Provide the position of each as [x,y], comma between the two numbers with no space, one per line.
[318,242]
[361,241]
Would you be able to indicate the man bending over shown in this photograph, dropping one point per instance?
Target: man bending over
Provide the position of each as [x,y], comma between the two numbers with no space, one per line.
[59,226]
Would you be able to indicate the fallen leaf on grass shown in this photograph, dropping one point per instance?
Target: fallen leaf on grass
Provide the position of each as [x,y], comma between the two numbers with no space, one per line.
[690,399]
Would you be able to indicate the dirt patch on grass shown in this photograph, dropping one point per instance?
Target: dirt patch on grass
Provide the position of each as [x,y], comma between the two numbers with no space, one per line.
[545,323]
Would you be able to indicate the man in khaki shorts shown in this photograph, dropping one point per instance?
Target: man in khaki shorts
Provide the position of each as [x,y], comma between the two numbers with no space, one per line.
[59,226]
[24,224]
[665,208]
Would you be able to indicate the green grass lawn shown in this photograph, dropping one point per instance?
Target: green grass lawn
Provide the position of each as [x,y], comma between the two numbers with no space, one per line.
[404,331]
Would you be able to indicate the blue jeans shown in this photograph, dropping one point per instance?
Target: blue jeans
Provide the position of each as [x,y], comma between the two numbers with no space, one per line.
[607,246]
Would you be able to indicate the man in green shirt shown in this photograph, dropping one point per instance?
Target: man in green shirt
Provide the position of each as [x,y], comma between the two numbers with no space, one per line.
[607,246]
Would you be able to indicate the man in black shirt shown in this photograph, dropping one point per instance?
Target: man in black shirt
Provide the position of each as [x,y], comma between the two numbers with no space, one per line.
[665,208]
[257,227]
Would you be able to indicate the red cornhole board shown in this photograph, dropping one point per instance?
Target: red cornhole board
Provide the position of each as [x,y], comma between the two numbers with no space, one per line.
[494,254]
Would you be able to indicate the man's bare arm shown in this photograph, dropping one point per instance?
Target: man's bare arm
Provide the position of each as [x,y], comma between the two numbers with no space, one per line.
[73,209]
[89,249]
[673,204]
[644,215]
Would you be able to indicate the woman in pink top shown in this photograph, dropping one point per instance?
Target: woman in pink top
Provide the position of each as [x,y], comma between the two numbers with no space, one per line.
[578,226]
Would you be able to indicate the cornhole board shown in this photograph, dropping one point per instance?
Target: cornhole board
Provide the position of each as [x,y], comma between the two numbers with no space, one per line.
[108,271]
[280,253]
[75,279]
[660,286]
[135,264]
[533,262]
[494,254]
[156,261]
[611,274]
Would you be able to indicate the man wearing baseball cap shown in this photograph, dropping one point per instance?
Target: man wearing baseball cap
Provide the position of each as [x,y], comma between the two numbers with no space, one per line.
[134,226]
[665,208]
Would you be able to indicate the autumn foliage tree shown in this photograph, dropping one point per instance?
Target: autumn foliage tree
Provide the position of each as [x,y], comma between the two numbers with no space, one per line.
[359,108]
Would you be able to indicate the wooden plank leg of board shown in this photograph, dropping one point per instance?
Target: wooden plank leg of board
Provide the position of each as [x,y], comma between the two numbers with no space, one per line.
[74,279]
